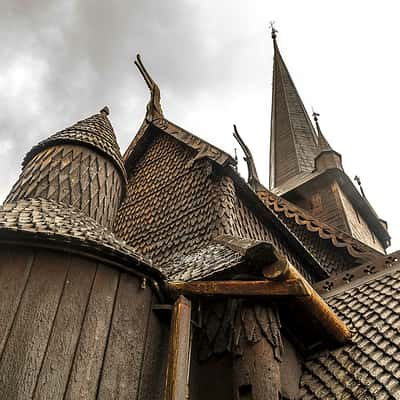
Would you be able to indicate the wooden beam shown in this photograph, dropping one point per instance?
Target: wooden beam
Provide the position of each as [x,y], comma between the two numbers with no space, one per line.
[313,305]
[179,351]
[290,287]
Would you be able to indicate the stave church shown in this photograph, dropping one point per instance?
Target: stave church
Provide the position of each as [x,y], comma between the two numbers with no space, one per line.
[162,274]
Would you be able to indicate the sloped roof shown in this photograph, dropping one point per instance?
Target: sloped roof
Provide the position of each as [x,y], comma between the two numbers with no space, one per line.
[202,147]
[288,210]
[369,368]
[207,261]
[95,131]
[65,225]
[293,139]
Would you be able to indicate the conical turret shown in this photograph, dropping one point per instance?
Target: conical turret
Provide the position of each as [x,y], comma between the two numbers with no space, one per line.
[79,166]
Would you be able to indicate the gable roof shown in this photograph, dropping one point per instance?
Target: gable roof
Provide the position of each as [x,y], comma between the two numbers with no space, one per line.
[369,368]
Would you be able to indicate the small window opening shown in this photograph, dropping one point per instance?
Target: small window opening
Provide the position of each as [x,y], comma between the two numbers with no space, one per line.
[245,392]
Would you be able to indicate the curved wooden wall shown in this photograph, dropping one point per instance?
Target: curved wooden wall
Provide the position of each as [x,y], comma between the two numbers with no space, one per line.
[73,328]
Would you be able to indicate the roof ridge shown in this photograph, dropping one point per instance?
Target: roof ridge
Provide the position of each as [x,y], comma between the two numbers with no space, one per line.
[203,148]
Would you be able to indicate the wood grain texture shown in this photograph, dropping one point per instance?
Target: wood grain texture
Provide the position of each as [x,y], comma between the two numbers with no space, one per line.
[155,359]
[256,373]
[88,360]
[290,287]
[57,363]
[26,345]
[176,387]
[123,359]
[14,272]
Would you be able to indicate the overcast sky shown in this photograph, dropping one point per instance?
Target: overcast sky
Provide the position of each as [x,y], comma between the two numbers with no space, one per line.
[62,61]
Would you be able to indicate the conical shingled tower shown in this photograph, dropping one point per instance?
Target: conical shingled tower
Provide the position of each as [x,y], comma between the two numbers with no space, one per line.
[79,166]
[293,138]
[307,171]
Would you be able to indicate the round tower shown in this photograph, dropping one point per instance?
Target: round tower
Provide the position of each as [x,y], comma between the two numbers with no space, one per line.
[79,166]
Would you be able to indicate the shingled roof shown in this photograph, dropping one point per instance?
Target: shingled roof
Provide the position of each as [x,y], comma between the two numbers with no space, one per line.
[95,131]
[65,226]
[369,368]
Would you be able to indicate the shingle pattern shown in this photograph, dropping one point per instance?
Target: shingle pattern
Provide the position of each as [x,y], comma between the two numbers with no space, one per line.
[312,232]
[95,131]
[368,369]
[294,145]
[51,220]
[207,261]
[170,206]
[74,175]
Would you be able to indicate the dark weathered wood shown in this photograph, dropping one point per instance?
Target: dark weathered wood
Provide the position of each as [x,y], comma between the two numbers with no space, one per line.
[312,306]
[88,360]
[125,348]
[176,386]
[211,380]
[60,352]
[74,175]
[156,354]
[15,265]
[256,373]
[291,287]
[26,345]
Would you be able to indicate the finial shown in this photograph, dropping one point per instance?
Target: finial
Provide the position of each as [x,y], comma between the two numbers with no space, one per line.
[358,180]
[315,116]
[154,110]
[252,180]
[105,110]
[273,30]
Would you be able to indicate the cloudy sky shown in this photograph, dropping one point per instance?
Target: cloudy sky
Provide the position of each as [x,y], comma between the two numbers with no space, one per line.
[64,60]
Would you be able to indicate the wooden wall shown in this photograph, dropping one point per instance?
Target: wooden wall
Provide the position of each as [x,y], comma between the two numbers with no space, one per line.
[73,328]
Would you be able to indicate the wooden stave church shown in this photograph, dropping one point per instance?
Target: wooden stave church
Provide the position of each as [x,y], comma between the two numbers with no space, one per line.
[162,274]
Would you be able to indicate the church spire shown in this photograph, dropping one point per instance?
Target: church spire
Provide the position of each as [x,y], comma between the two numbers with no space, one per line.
[293,145]
[323,144]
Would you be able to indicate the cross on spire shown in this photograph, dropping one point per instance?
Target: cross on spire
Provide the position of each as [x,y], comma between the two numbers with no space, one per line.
[273,30]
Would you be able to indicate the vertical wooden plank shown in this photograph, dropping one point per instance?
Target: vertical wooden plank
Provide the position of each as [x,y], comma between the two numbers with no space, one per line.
[179,351]
[154,365]
[57,363]
[15,265]
[25,348]
[86,368]
[124,355]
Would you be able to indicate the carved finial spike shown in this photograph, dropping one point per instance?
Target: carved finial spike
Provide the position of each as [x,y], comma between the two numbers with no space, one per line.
[154,110]
[253,180]
[273,30]
[105,110]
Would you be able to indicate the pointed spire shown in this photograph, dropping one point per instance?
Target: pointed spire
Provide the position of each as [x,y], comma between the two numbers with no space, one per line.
[323,144]
[154,110]
[293,139]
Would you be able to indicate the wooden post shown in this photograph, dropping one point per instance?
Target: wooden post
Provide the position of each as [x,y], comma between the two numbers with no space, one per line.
[256,372]
[179,351]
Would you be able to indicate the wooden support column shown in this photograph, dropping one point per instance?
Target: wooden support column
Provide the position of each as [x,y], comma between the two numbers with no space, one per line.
[256,372]
[176,386]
